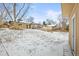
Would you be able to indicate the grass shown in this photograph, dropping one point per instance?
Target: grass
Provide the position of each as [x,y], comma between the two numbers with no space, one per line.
[21,26]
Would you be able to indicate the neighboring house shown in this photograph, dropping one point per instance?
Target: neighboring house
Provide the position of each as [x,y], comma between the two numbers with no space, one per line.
[36,26]
[49,27]
[22,25]
[71,10]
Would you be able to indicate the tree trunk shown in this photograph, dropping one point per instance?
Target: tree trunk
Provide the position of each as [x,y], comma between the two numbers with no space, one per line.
[14,11]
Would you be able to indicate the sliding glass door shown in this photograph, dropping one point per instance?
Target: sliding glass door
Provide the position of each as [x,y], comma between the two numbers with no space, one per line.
[73,35]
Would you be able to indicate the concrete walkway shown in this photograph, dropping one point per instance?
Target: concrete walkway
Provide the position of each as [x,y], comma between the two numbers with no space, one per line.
[67,51]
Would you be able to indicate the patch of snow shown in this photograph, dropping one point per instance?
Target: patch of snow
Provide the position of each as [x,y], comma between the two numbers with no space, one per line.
[32,42]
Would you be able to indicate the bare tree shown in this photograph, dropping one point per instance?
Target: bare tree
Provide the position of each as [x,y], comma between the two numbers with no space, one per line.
[7,11]
[50,21]
[44,23]
[3,14]
[14,11]
[20,10]
[15,15]
[26,10]
[30,19]
[62,21]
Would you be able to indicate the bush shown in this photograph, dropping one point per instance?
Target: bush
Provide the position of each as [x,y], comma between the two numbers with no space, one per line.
[67,27]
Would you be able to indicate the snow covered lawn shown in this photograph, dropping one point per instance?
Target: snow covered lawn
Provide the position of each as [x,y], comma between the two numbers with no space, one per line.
[33,42]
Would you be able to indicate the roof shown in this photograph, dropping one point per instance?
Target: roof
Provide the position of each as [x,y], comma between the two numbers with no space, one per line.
[51,25]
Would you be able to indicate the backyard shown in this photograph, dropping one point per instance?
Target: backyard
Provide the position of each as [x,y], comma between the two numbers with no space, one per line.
[25,30]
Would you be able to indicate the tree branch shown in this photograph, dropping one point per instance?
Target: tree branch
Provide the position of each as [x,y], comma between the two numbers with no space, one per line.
[20,10]
[26,10]
[7,11]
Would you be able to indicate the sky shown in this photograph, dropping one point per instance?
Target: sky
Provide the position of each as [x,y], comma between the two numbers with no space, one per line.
[43,11]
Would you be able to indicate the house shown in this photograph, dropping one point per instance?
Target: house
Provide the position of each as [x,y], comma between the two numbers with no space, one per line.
[71,10]
[49,28]
[36,26]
